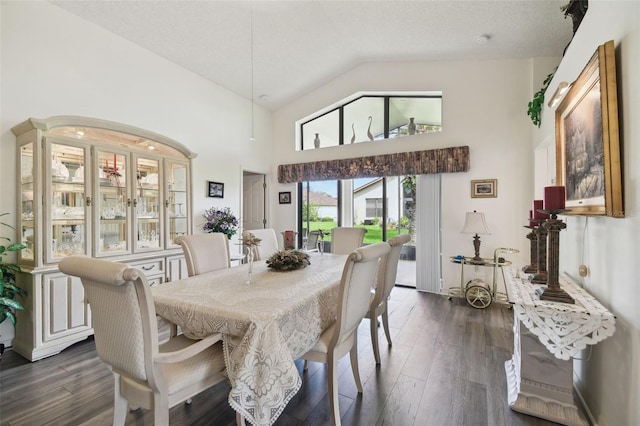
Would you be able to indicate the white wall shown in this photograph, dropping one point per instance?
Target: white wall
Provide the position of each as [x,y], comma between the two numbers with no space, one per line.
[609,378]
[54,63]
[484,107]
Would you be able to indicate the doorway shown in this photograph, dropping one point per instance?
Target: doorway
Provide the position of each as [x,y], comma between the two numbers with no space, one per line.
[254,206]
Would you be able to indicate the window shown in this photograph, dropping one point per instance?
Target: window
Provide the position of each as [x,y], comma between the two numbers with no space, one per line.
[374,207]
[372,117]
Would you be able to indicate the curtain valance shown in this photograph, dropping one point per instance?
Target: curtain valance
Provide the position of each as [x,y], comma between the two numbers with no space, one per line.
[442,160]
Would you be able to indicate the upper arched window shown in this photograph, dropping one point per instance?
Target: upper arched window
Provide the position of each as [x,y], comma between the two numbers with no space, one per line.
[371,117]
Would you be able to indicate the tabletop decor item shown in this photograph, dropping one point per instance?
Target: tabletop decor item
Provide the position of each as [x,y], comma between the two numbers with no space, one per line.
[250,241]
[220,220]
[288,260]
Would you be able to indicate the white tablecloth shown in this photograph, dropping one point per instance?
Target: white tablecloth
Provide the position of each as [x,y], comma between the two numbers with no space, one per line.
[267,325]
[563,328]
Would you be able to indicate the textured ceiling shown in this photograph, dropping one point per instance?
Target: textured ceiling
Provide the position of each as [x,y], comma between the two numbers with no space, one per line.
[300,45]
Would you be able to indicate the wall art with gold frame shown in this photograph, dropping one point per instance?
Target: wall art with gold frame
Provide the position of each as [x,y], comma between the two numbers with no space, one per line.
[588,156]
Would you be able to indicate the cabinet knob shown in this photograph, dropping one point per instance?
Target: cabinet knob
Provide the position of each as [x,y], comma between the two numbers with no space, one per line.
[88,201]
[166,203]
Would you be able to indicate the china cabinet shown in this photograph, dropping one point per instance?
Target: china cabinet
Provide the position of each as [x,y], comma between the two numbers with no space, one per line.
[96,188]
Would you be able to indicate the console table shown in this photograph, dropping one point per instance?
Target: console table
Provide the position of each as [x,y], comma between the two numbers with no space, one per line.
[540,373]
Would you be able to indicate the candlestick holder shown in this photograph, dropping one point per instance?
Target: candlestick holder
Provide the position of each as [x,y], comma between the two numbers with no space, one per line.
[541,252]
[553,291]
[533,254]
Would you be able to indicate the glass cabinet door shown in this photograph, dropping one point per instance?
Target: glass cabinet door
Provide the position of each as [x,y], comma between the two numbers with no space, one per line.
[147,205]
[177,201]
[27,188]
[68,233]
[112,203]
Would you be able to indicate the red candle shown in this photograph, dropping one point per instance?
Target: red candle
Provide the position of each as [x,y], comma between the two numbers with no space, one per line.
[537,205]
[531,223]
[554,197]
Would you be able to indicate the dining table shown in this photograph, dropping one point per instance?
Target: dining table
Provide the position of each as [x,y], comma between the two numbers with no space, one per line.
[266,324]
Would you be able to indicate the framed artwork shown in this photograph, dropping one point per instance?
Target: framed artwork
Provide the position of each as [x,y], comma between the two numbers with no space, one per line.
[284,197]
[216,190]
[485,188]
[588,142]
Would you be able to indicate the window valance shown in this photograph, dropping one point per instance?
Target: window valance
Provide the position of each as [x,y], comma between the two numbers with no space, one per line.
[443,160]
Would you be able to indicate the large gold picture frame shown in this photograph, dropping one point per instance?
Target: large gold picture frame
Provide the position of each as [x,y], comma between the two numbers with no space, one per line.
[588,142]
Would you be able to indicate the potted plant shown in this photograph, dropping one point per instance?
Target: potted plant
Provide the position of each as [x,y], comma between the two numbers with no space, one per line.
[8,289]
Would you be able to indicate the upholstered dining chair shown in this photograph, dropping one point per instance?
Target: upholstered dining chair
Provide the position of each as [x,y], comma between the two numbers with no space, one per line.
[205,252]
[145,373]
[345,240]
[268,244]
[385,282]
[358,276]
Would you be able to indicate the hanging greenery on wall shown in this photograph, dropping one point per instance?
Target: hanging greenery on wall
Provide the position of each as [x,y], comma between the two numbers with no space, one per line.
[535,106]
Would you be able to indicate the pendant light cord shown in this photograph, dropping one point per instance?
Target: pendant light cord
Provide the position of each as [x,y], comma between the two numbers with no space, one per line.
[251,51]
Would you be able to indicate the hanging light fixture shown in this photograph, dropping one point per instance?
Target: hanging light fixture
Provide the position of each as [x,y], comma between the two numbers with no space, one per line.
[252,138]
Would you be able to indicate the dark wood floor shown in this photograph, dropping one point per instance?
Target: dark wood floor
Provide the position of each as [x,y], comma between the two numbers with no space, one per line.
[446,367]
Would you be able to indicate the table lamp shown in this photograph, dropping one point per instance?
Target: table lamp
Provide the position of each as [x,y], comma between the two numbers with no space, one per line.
[474,223]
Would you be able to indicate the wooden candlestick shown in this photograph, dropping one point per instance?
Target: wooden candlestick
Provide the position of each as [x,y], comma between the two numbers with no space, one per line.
[541,254]
[553,291]
[533,256]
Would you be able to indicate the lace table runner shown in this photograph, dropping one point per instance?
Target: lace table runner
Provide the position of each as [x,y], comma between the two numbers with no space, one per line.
[563,328]
[267,325]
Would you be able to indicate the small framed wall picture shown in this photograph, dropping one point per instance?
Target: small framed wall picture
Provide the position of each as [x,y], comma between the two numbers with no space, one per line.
[485,188]
[284,197]
[216,190]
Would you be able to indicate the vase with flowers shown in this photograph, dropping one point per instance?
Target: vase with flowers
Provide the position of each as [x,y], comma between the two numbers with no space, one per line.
[220,220]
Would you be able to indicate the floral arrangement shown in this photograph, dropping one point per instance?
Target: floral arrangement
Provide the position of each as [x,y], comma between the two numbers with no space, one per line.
[220,220]
[288,260]
[249,240]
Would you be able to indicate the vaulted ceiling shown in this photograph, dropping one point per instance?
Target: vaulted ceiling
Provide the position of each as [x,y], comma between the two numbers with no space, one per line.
[274,51]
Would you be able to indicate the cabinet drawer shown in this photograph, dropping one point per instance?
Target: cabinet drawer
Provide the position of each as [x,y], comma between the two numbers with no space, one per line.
[150,268]
[155,280]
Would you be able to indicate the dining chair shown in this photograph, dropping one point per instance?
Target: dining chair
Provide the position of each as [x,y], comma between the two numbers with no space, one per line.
[268,244]
[146,374]
[345,240]
[312,241]
[205,252]
[358,276]
[385,282]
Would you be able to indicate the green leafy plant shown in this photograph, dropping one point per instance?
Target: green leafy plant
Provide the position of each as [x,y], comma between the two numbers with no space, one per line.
[8,289]
[535,106]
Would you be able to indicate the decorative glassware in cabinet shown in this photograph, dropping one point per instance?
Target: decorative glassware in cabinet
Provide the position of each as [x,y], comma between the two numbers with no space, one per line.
[177,200]
[113,202]
[68,233]
[147,204]
[27,228]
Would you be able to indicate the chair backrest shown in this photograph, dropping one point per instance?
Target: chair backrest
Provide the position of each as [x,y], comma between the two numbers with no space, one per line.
[205,252]
[358,277]
[345,240]
[122,313]
[268,244]
[312,240]
[389,268]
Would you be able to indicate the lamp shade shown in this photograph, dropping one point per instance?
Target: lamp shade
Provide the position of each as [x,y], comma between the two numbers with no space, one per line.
[474,223]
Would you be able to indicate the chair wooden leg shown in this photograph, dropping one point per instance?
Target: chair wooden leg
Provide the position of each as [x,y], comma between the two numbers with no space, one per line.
[385,323]
[160,409]
[306,365]
[120,403]
[354,364]
[332,384]
[374,338]
[240,420]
